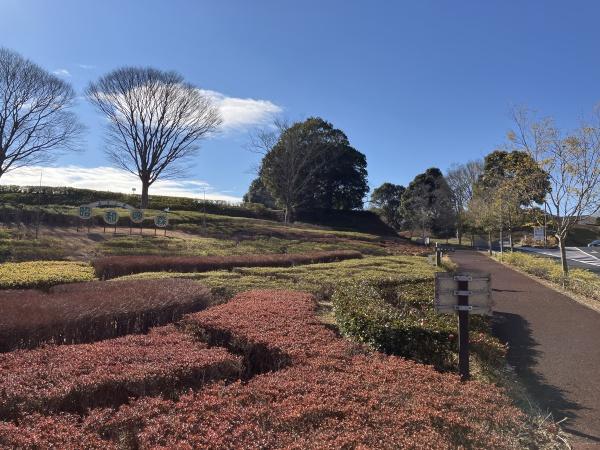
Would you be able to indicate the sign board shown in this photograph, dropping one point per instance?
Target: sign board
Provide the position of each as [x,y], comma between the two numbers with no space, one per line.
[538,233]
[110,203]
[111,217]
[447,292]
[161,221]
[85,212]
[137,215]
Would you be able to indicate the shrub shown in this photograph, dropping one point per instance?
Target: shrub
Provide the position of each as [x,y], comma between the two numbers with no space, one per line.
[43,274]
[86,312]
[114,266]
[398,318]
[332,394]
[579,281]
[107,373]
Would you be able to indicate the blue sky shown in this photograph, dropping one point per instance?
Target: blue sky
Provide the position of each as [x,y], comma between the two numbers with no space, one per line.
[413,84]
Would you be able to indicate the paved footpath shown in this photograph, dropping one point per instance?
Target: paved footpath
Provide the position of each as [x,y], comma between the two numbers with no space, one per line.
[554,345]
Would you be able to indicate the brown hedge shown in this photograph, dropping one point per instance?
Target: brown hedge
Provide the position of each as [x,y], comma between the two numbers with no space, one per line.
[330,394]
[108,373]
[87,312]
[116,266]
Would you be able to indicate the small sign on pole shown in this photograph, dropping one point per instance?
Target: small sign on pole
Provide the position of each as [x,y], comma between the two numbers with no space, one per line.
[161,221]
[463,294]
[538,233]
[85,212]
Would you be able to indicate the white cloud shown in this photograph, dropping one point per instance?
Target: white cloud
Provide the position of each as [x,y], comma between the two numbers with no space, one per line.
[86,66]
[109,179]
[237,113]
[62,73]
[241,113]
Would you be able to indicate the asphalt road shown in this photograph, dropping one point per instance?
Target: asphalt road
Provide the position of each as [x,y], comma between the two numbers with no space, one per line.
[554,345]
[582,257]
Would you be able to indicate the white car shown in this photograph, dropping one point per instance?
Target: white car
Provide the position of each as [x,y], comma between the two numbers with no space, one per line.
[595,243]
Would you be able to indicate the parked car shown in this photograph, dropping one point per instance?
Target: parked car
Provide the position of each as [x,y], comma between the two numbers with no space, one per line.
[595,243]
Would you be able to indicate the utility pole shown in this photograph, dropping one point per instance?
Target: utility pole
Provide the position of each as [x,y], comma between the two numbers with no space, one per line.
[204,209]
[545,227]
[37,221]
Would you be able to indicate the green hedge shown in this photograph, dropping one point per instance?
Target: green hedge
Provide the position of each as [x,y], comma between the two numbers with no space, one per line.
[399,319]
[49,195]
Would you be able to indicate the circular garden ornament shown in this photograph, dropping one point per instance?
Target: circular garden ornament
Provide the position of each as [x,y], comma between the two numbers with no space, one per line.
[137,215]
[161,221]
[85,212]
[111,217]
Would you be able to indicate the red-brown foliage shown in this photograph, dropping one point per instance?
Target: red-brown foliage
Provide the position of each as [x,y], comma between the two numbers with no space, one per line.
[86,312]
[107,373]
[116,266]
[332,394]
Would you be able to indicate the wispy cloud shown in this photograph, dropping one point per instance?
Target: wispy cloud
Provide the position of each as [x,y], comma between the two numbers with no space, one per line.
[109,179]
[242,113]
[86,66]
[62,73]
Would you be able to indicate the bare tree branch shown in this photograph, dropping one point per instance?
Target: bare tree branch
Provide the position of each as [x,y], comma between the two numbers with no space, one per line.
[572,162]
[155,120]
[35,117]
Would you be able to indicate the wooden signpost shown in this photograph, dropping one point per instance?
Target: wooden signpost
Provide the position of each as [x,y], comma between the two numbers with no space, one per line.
[463,294]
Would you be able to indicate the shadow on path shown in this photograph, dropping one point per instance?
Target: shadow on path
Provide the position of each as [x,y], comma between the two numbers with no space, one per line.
[515,331]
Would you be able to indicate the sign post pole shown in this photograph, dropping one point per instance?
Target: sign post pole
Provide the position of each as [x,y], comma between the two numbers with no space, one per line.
[463,330]
[463,294]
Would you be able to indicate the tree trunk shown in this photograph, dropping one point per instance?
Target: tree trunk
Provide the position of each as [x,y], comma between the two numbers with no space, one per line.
[144,199]
[563,255]
[501,243]
[490,242]
[510,241]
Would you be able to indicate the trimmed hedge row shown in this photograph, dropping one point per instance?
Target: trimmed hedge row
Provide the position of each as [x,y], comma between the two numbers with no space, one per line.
[108,373]
[116,266]
[399,319]
[43,274]
[87,312]
[333,394]
[50,195]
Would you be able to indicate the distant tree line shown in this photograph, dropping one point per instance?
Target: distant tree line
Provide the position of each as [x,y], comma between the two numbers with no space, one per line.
[542,175]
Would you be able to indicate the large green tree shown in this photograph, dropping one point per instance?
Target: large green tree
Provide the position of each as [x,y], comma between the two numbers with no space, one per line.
[427,204]
[387,199]
[312,165]
[514,181]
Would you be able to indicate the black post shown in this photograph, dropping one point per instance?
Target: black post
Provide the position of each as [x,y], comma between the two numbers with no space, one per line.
[463,332]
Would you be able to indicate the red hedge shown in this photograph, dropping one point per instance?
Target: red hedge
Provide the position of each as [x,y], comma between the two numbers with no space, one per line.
[116,266]
[77,377]
[331,394]
[87,312]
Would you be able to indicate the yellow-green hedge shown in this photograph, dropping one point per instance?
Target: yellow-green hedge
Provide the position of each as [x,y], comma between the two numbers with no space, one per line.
[579,281]
[43,274]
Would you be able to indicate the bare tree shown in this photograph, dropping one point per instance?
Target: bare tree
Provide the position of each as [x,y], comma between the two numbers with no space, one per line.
[155,120]
[35,117]
[462,179]
[572,162]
